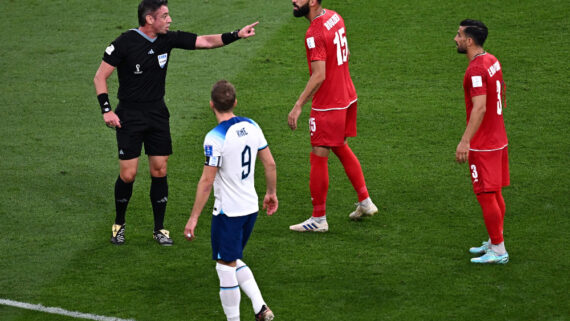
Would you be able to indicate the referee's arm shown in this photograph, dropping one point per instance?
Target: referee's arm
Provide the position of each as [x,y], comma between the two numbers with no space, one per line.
[103,73]
[215,41]
[100,81]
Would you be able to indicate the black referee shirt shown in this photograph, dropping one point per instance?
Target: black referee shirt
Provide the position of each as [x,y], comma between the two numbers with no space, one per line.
[142,62]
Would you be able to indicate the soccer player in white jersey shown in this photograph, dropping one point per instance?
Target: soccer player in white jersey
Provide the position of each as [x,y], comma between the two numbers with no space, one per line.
[231,149]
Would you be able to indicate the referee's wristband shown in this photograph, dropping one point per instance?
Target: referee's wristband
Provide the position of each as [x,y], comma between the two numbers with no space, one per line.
[230,37]
[104,103]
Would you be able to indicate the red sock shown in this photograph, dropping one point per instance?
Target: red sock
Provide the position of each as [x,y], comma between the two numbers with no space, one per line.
[319,184]
[492,216]
[353,170]
[502,206]
[501,202]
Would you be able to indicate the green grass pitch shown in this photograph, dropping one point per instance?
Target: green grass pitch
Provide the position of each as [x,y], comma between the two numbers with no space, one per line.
[58,166]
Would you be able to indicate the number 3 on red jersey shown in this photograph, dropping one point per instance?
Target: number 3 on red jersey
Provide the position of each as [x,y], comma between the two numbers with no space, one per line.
[499,102]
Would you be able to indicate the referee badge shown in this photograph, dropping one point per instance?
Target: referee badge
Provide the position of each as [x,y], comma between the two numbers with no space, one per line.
[162,59]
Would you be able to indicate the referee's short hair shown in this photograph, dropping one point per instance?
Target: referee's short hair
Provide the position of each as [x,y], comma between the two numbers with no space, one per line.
[147,7]
[223,96]
[475,30]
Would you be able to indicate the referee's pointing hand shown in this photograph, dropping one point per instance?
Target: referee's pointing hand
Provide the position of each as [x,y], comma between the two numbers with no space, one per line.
[248,31]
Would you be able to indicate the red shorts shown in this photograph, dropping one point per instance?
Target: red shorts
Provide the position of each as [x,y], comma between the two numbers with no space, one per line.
[489,170]
[330,128]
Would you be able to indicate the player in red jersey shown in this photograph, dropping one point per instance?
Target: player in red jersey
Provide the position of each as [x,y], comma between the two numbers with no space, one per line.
[333,112]
[484,142]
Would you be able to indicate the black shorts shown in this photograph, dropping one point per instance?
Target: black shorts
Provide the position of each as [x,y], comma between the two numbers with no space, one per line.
[143,123]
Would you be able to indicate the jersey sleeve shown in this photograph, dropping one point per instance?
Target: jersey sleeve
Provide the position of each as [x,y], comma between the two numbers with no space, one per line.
[262,140]
[477,81]
[115,52]
[213,150]
[183,40]
[316,46]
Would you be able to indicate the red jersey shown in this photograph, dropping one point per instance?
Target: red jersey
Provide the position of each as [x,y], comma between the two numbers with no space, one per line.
[485,77]
[325,40]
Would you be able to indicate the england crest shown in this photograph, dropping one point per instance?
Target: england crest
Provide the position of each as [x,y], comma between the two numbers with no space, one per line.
[162,59]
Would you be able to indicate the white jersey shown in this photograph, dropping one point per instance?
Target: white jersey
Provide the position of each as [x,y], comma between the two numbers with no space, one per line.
[232,146]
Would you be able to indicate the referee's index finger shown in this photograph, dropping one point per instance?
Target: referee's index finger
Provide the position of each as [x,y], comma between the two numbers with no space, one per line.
[254,24]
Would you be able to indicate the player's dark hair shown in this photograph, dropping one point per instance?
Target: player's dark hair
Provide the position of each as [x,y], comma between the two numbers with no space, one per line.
[475,30]
[147,7]
[223,96]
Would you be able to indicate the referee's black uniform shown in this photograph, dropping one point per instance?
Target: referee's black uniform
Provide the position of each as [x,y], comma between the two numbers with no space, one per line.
[141,64]
[142,118]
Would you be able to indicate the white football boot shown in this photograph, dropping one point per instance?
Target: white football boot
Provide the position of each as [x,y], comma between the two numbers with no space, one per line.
[363,210]
[310,225]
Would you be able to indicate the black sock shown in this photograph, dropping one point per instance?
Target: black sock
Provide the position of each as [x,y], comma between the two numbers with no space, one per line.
[159,198]
[123,192]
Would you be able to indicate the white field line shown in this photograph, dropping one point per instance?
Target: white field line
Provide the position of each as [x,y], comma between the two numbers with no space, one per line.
[60,311]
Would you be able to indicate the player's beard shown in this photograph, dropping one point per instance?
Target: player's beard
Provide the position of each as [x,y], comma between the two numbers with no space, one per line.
[460,49]
[301,11]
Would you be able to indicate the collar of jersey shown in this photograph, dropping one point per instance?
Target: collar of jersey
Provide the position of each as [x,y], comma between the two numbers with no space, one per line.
[320,15]
[144,35]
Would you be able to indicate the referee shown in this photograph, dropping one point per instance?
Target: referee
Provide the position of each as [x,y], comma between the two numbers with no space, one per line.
[141,58]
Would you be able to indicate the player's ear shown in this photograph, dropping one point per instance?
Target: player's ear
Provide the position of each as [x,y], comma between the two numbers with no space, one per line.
[211,105]
[149,19]
[235,103]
